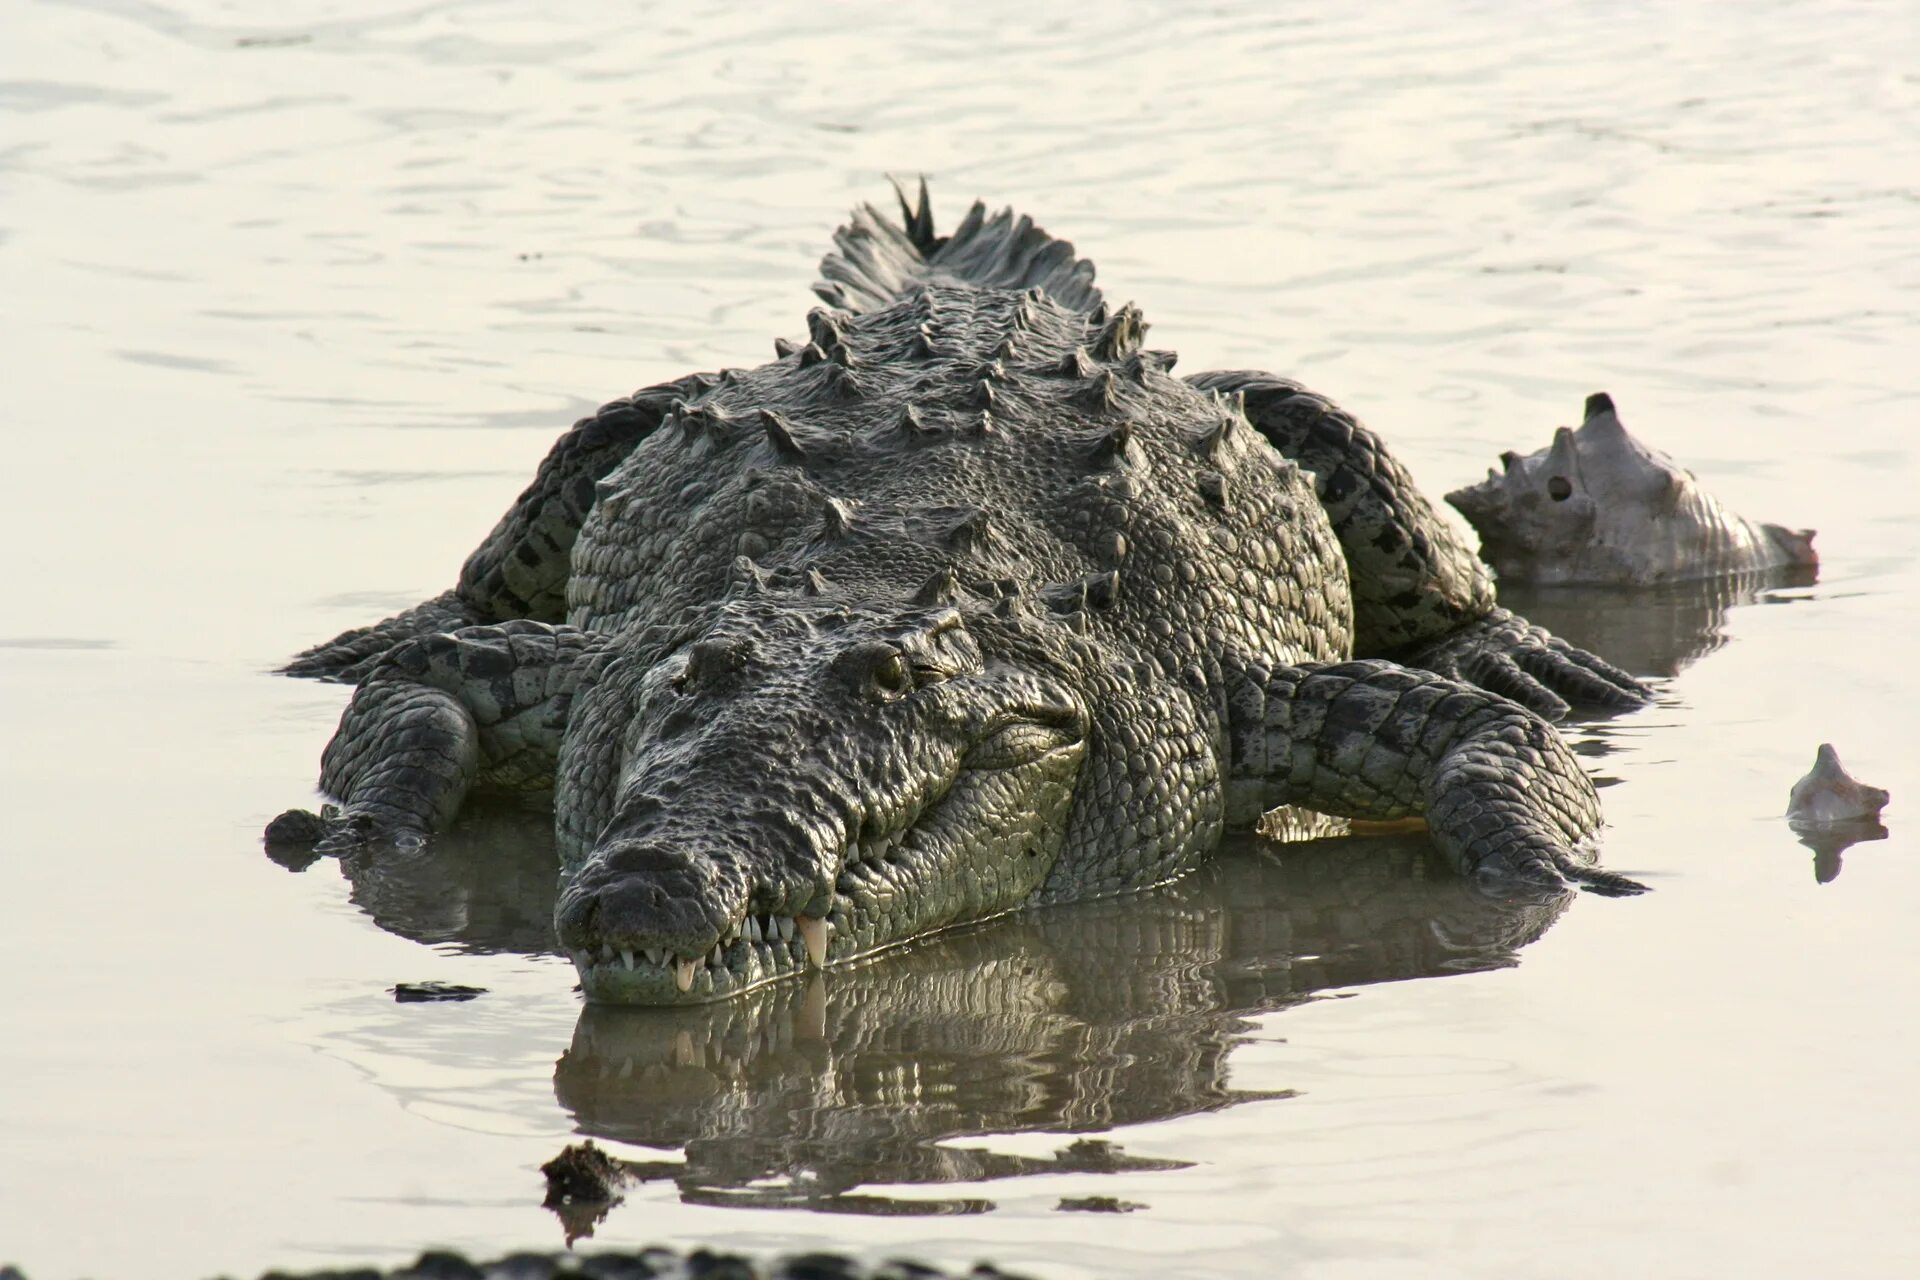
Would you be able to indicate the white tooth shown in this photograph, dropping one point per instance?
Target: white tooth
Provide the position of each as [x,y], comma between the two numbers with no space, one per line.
[683,973]
[713,957]
[626,958]
[786,927]
[753,928]
[656,955]
[606,954]
[813,931]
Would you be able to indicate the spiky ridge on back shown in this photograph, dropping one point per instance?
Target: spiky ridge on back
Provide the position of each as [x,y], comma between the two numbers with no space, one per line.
[987,448]
[873,262]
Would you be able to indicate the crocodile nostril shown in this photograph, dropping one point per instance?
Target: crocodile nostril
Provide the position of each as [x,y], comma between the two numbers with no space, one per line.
[1559,488]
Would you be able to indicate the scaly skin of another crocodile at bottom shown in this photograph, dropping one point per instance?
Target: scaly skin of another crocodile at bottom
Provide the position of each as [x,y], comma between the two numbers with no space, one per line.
[967,604]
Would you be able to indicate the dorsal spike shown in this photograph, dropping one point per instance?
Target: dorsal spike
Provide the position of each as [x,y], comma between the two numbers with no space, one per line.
[921,348]
[1213,487]
[815,583]
[824,328]
[780,436]
[1160,361]
[692,425]
[1095,591]
[844,382]
[1007,350]
[811,354]
[1099,314]
[833,294]
[1102,392]
[1113,445]
[748,575]
[1122,335]
[1011,606]
[1216,443]
[985,425]
[782,348]
[836,517]
[942,587]
[1077,364]
[913,426]
[970,532]
[729,377]
[984,396]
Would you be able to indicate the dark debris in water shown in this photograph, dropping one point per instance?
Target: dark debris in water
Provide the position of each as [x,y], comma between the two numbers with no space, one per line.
[412,992]
[1096,1204]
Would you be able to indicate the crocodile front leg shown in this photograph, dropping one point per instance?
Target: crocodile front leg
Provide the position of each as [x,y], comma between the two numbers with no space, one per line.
[521,569]
[436,717]
[1505,800]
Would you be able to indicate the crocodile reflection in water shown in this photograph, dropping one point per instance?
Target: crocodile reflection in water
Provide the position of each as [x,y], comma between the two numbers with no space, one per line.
[1077,1020]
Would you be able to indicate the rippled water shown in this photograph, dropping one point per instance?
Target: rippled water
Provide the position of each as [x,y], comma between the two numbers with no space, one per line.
[293,307]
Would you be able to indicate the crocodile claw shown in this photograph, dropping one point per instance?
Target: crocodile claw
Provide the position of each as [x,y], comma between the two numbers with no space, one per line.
[1525,663]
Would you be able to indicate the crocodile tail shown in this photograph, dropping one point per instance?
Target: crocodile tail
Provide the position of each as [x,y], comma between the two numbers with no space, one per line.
[873,261]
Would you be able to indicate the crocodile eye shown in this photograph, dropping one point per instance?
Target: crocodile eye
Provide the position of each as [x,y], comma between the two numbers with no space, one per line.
[891,680]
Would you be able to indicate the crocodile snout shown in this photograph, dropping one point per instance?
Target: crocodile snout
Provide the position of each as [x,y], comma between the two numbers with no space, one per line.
[664,923]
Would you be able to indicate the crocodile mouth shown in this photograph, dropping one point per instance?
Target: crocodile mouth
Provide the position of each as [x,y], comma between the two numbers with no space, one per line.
[979,850]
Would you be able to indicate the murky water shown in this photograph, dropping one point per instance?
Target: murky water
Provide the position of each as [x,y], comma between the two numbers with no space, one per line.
[293,307]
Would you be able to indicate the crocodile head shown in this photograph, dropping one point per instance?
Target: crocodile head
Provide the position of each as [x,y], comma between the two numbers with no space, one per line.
[808,783]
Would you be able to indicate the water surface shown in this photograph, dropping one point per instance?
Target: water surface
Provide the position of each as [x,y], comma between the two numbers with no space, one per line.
[295,302]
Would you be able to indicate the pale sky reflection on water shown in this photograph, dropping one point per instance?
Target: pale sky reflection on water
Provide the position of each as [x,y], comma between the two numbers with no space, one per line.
[295,303]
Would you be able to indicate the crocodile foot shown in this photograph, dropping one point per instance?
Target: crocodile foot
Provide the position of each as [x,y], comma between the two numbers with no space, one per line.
[337,831]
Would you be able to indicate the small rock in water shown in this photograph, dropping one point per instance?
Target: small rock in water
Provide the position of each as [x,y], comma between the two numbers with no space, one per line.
[408,992]
[1830,794]
[1096,1204]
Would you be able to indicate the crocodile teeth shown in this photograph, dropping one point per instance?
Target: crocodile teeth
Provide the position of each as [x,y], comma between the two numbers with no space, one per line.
[626,958]
[785,925]
[655,955]
[753,928]
[813,931]
[713,957]
[683,973]
[606,954]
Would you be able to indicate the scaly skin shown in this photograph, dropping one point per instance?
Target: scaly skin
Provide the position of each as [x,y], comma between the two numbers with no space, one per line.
[964,605]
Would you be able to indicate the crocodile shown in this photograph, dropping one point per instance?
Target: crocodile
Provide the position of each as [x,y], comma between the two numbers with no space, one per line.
[1599,506]
[961,604]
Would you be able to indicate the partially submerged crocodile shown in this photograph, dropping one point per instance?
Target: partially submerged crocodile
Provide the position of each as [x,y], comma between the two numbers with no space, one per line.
[1598,506]
[960,605]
